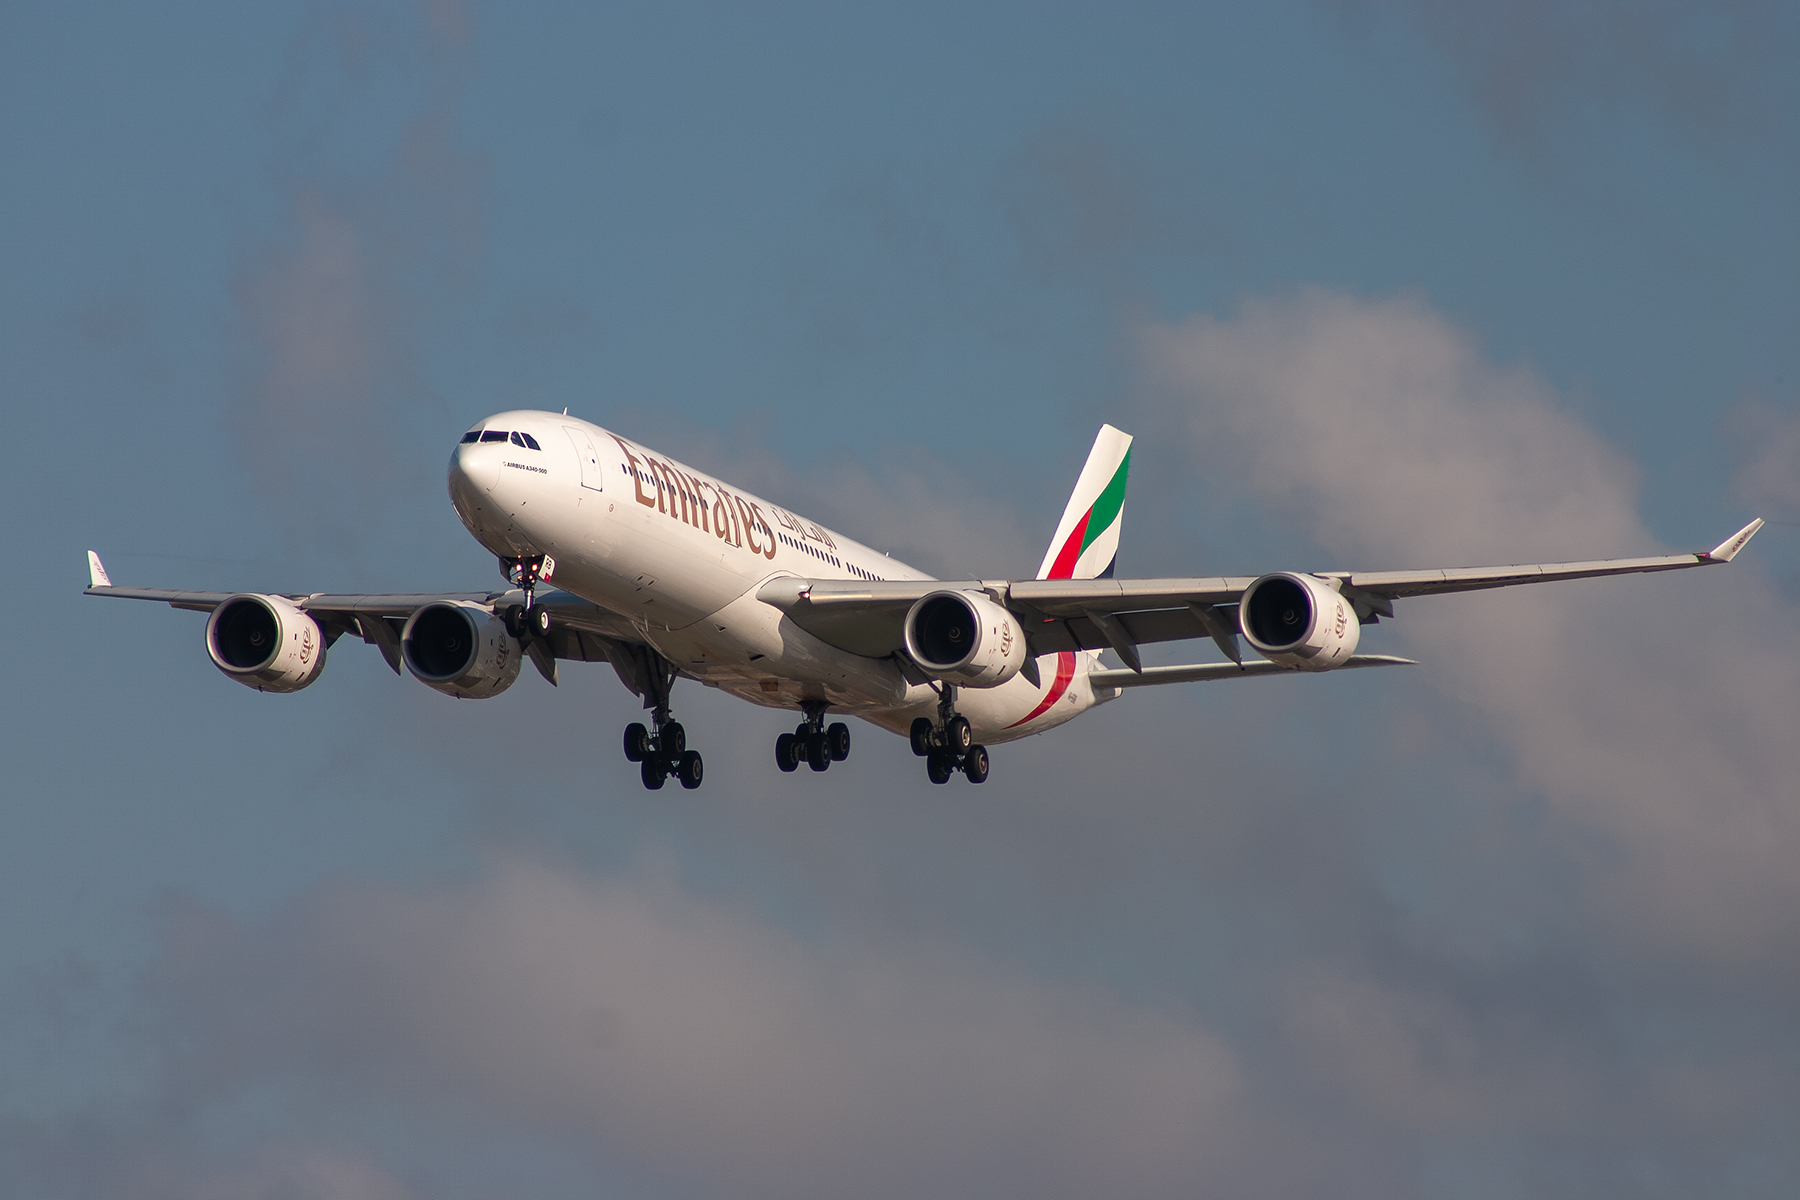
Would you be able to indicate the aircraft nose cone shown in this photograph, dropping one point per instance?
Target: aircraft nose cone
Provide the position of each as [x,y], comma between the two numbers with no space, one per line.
[474,471]
[475,468]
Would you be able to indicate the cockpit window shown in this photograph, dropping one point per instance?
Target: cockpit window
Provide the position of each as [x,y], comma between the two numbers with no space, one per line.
[531,441]
[474,435]
[493,435]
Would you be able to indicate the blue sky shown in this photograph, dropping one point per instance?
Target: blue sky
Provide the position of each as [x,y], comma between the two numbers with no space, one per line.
[1376,284]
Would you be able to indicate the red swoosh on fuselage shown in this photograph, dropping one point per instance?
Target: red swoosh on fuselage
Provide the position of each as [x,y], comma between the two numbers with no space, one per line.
[1065,672]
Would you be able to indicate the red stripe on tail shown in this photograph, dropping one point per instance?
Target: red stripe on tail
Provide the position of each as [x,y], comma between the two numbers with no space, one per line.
[1064,566]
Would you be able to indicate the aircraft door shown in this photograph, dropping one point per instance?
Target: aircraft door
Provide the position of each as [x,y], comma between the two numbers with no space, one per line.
[590,460]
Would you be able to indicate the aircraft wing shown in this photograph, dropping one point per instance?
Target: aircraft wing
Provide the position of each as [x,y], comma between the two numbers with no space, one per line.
[580,631]
[1093,614]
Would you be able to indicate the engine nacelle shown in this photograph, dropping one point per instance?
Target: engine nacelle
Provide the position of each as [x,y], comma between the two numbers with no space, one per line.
[966,639]
[461,649]
[265,642]
[1299,621]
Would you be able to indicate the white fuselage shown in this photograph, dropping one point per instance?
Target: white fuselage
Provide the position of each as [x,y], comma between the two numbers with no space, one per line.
[680,555]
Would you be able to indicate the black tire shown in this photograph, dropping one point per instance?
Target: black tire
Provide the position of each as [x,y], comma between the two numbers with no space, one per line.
[637,742]
[514,616]
[787,752]
[921,736]
[958,737]
[672,739]
[538,621]
[654,772]
[975,764]
[937,767]
[690,770]
[838,738]
[818,751]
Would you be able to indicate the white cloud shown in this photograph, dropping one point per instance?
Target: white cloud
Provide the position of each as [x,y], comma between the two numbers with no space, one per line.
[692,1039]
[1659,711]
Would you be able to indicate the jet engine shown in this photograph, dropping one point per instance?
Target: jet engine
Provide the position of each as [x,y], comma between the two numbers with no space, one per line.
[265,642]
[460,649]
[1299,621]
[964,638]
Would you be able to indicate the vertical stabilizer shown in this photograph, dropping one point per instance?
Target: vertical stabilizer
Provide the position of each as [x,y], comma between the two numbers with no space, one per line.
[1086,545]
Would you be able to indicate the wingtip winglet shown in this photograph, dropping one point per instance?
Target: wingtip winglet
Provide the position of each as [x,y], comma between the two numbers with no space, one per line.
[1727,550]
[96,572]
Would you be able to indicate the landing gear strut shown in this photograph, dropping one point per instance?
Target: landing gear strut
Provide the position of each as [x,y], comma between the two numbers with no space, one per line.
[948,744]
[664,752]
[812,741]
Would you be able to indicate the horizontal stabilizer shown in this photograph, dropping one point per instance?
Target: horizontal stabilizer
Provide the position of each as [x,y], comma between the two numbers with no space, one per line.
[1200,672]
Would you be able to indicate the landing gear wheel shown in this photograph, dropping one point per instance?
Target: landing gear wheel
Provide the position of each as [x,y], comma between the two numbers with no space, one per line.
[637,742]
[838,739]
[690,770]
[514,617]
[654,771]
[937,767]
[672,739]
[818,751]
[921,736]
[975,764]
[787,752]
[537,621]
[958,737]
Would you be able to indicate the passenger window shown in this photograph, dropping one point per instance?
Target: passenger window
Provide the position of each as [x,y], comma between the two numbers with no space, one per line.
[493,435]
[471,436]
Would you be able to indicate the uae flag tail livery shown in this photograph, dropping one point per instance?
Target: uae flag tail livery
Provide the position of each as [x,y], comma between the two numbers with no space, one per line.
[1086,545]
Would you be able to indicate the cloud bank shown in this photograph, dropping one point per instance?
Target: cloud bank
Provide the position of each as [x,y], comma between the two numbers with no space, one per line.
[1517,923]
[1655,711]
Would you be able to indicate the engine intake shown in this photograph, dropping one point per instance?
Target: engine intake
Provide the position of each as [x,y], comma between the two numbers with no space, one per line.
[265,642]
[1299,621]
[461,649]
[965,638]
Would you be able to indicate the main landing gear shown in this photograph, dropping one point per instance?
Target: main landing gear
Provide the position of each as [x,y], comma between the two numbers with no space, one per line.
[947,745]
[664,752]
[813,742]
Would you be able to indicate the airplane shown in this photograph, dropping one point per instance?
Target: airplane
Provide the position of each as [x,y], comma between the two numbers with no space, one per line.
[616,553]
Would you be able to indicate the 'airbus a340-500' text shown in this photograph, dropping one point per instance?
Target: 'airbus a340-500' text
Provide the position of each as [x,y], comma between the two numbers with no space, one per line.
[615,553]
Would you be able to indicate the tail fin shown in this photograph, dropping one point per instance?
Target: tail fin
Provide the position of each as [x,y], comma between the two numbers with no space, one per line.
[1086,545]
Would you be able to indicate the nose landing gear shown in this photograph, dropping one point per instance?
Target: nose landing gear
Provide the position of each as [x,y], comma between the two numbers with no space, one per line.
[948,744]
[527,620]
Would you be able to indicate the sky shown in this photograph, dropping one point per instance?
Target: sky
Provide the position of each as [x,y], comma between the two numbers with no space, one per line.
[1375,284]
